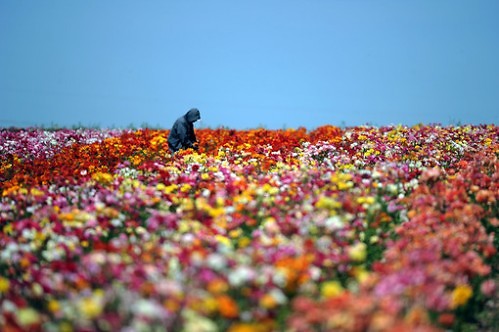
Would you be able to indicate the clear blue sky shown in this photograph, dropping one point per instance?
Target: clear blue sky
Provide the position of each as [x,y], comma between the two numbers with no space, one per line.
[246,64]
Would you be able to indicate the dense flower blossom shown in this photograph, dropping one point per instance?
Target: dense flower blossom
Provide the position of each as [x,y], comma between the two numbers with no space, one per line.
[354,229]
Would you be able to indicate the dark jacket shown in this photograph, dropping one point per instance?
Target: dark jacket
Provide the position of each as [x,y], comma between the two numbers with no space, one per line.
[182,133]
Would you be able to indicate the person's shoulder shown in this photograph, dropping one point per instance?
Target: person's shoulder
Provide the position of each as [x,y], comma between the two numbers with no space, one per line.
[179,120]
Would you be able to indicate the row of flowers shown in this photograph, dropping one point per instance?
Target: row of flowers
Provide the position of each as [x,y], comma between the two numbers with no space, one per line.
[334,229]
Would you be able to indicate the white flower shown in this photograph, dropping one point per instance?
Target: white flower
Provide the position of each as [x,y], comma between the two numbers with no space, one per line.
[148,309]
[279,278]
[216,261]
[195,322]
[187,238]
[334,223]
[315,273]
[240,276]
[278,295]
[116,222]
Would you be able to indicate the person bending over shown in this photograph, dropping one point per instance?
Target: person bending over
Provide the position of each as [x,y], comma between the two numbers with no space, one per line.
[182,134]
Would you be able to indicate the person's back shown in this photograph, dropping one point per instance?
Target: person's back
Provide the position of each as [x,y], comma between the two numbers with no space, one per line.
[182,134]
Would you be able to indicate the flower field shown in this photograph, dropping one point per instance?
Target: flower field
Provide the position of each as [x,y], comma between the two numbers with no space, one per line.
[335,229]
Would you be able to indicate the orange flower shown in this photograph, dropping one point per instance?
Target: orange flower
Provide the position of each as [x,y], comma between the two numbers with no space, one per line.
[227,306]
[417,315]
[485,196]
[253,327]
[268,301]
[217,286]
[295,269]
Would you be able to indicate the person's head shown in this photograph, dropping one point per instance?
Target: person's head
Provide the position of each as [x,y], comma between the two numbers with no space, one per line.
[193,115]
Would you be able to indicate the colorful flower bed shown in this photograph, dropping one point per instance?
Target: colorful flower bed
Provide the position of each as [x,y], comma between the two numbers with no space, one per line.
[355,229]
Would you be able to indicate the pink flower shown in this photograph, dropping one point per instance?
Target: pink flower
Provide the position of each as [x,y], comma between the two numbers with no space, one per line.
[488,288]
[431,174]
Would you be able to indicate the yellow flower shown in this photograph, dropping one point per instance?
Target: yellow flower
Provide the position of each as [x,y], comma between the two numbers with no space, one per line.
[366,200]
[360,274]
[223,240]
[136,160]
[331,289]
[102,177]
[54,306]
[187,204]
[195,158]
[185,188]
[220,202]
[461,295]
[327,203]
[358,252]
[183,227]
[235,233]
[244,242]
[4,285]
[342,181]
[93,305]
[27,316]
[37,192]
[171,188]
[210,304]
[216,212]
[345,185]
[40,237]
[8,229]
[65,327]
[271,190]
[158,140]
